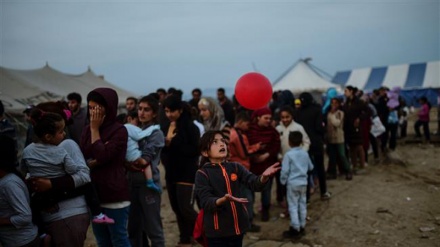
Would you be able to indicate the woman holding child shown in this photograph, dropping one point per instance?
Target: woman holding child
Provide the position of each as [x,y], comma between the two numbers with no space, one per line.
[144,222]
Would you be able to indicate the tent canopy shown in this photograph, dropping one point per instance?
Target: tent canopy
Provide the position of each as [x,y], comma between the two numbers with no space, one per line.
[415,80]
[19,88]
[301,77]
[405,76]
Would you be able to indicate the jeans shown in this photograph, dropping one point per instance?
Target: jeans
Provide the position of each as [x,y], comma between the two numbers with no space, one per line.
[234,241]
[425,129]
[144,223]
[336,150]
[357,155]
[373,142]
[265,195]
[114,235]
[296,199]
[318,163]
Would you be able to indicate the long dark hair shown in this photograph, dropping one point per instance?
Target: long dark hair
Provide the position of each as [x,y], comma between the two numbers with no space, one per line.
[206,142]
[174,103]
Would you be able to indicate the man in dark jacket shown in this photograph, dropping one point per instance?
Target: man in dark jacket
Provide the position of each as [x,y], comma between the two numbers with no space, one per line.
[310,117]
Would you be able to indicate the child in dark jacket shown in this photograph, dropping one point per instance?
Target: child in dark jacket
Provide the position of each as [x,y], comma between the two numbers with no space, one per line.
[217,186]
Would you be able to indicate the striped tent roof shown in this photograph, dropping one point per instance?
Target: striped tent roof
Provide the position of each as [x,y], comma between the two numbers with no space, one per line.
[405,76]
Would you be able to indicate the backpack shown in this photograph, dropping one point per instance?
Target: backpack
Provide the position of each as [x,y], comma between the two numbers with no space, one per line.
[199,233]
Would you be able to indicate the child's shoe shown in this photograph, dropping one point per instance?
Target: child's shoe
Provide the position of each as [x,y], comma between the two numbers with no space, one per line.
[45,240]
[102,219]
[285,214]
[152,186]
[291,233]
[326,196]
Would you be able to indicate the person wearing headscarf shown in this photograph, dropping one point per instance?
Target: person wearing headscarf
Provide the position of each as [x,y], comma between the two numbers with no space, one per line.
[261,131]
[331,93]
[213,117]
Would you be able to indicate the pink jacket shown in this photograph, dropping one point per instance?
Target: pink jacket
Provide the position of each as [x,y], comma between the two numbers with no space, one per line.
[424,113]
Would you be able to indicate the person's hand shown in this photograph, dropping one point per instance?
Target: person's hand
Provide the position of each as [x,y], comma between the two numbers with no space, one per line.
[140,162]
[91,163]
[170,133]
[41,184]
[236,199]
[261,157]
[270,171]
[356,123]
[258,146]
[97,115]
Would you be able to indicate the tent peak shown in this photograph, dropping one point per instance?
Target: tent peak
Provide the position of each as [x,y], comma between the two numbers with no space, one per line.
[306,60]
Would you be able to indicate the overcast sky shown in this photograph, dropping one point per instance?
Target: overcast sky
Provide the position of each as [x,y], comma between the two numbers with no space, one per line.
[144,45]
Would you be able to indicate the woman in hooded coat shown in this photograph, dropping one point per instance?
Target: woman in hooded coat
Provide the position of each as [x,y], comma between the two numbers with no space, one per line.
[104,141]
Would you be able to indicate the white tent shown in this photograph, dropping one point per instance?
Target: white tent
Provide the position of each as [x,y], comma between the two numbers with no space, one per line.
[19,88]
[301,77]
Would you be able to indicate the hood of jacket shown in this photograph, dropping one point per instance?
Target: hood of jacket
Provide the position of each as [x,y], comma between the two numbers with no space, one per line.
[110,102]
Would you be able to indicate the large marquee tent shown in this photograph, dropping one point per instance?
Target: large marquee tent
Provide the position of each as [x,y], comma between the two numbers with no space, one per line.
[20,88]
[302,77]
[415,80]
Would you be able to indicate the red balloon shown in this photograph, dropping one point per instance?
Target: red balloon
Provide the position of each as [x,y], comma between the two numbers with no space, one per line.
[253,91]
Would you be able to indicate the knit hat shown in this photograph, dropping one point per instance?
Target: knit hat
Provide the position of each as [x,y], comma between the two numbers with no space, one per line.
[260,112]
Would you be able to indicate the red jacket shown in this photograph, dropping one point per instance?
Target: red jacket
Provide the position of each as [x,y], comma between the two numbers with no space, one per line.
[236,150]
[270,140]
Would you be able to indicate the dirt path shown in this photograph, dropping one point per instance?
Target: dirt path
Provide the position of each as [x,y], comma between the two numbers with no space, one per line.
[391,205]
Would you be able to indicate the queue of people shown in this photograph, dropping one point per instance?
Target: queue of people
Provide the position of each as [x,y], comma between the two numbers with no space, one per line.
[83,166]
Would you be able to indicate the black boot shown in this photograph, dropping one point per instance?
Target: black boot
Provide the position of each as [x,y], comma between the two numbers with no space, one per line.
[265,215]
[291,233]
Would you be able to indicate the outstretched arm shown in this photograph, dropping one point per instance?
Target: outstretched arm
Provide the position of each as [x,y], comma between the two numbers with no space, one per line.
[270,171]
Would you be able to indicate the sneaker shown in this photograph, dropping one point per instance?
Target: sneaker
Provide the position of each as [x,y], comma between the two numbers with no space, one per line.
[104,219]
[254,228]
[291,233]
[349,176]
[152,186]
[360,171]
[284,214]
[302,231]
[326,196]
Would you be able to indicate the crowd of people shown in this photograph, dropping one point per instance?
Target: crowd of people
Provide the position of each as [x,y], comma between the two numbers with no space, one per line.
[99,164]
